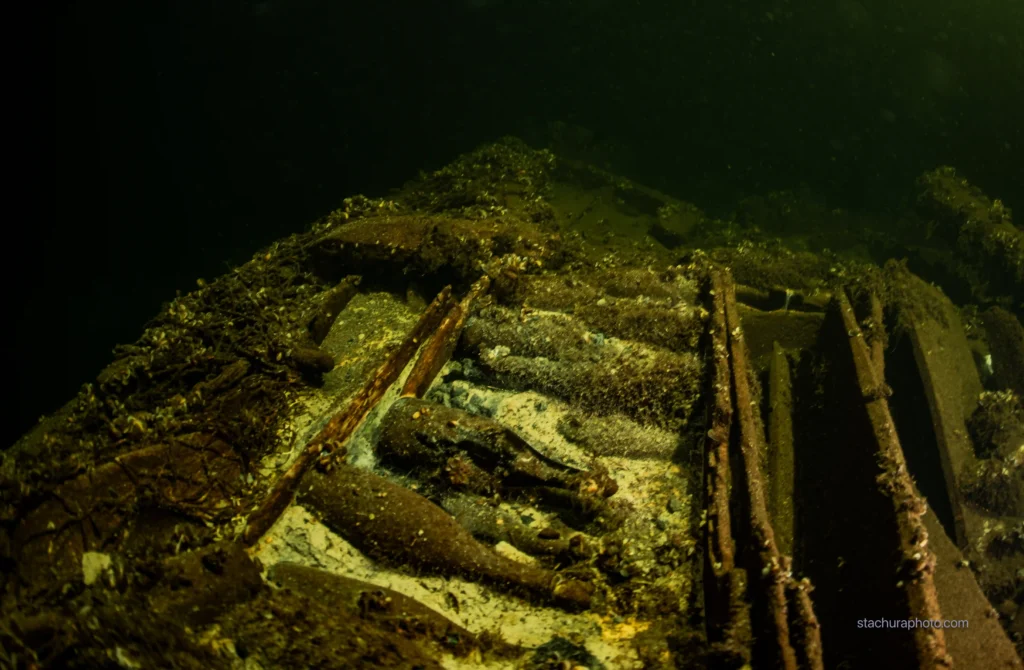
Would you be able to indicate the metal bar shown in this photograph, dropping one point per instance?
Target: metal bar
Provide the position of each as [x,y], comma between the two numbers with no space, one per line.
[766,558]
[728,613]
[917,562]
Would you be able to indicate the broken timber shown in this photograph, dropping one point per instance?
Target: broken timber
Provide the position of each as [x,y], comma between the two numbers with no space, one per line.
[343,424]
[435,354]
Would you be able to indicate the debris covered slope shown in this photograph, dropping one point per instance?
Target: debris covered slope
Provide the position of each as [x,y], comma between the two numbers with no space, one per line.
[527,414]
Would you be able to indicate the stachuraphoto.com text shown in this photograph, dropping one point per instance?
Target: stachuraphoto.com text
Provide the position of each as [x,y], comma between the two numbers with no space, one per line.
[908,624]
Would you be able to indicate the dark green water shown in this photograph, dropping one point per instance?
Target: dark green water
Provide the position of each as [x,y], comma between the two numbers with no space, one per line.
[189,134]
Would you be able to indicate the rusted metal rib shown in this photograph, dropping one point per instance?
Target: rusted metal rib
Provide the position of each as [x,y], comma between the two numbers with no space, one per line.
[728,613]
[805,631]
[917,562]
[766,558]
[344,423]
[717,443]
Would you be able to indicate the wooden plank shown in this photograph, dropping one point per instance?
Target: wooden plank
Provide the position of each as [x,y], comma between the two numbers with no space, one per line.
[781,458]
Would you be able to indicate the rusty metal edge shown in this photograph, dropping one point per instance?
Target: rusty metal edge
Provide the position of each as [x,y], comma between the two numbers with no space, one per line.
[772,569]
[728,613]
[917,561]
[805,632]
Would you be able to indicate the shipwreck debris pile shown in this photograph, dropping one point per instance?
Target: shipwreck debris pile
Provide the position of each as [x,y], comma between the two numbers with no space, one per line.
[469,426]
